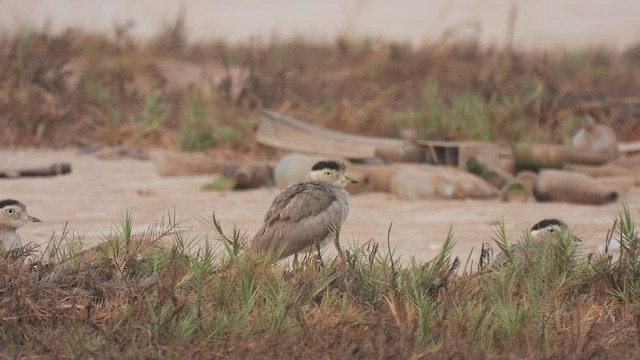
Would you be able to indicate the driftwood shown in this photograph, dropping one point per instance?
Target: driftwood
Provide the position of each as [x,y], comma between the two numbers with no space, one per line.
[538,156]
[433,182]
[52,170]
[572,187]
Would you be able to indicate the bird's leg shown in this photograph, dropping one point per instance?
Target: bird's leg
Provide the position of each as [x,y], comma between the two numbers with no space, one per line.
[317,245]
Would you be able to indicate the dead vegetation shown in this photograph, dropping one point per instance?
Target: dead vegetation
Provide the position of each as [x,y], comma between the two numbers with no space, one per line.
[76,89]
[156,295]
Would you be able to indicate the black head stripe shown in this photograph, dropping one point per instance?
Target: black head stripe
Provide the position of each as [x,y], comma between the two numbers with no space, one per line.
[547,223]
[328,164]
[8,202]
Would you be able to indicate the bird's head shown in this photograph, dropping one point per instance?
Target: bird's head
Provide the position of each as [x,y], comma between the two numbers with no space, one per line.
[13,214]
[550,227]
[330,172]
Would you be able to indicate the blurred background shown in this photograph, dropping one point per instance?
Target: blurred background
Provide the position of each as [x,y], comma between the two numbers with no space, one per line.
[134,81]
[538,24]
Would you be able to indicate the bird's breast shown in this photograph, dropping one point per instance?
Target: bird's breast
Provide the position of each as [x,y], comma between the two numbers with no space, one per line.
[343,203]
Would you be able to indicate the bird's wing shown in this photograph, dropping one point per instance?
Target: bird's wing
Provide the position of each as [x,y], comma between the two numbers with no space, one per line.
[300,215]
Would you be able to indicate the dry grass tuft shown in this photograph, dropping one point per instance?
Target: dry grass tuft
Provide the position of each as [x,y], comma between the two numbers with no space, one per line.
[162,294]
[75,89]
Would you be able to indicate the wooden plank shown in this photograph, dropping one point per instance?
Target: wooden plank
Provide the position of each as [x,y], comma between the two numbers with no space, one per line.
[287,133]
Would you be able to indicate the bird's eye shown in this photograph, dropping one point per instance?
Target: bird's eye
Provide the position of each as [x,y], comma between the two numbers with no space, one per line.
[327,173]
[10,211]
[551,230]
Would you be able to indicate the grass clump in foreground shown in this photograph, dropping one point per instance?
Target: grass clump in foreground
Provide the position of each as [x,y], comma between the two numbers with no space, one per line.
[166,293]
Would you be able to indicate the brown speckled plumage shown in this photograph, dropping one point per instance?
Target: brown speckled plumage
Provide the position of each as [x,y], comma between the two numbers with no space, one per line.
[305,213]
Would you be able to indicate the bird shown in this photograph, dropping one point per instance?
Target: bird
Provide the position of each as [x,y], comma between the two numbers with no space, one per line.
[13,214]
[545,227]
[544,230]
[306,214]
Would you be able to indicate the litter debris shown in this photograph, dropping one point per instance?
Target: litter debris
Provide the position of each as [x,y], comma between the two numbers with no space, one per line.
[439,182]
[498,178]
[594,138]
[572,187]
[406,167]
[540,156]
[52,170]
[527,178]
[515,192]
[249,175]
[494,176]
[284,132]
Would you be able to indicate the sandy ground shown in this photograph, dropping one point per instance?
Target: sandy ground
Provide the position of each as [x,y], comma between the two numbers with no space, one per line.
[91,198]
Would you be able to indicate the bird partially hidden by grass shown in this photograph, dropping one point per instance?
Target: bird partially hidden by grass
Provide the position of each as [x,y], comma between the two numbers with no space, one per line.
[13,214]
[306,215]
[547,232]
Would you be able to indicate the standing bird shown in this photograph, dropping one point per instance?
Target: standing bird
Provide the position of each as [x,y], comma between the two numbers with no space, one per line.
[305,214]
[13,214]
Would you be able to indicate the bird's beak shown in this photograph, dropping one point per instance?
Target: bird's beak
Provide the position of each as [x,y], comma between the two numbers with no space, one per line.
[31,218]
[350,179]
